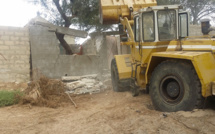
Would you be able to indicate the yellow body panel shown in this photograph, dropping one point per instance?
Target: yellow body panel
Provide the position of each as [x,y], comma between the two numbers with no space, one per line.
[203,62]
[123,63]
[198,51]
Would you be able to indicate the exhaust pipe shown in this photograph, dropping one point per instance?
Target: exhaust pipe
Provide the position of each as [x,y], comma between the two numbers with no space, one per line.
[206,27]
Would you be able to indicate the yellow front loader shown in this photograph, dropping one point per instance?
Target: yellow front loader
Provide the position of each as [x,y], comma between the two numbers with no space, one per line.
[177,70]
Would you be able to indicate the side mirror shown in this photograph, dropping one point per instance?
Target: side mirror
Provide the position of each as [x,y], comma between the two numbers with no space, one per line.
[183,25]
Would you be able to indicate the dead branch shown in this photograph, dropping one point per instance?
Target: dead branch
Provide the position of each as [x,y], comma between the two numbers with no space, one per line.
[3,56]
[72,100]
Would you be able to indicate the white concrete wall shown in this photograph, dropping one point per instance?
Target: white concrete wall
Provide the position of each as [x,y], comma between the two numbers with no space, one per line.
[15,54]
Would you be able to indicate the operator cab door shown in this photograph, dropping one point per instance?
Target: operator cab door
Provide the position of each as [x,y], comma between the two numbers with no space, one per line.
[144,27]
[137,28]
[183,26]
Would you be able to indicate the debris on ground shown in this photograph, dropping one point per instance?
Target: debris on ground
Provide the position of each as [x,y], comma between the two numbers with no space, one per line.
[52,93]
[45,92]
[83,84]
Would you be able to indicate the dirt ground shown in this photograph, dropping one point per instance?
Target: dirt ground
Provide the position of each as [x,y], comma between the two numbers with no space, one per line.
[104,113]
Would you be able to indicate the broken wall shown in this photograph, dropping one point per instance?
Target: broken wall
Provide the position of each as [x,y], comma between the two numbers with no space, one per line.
[105,47]
[46,56]
[14,54]
[97,45]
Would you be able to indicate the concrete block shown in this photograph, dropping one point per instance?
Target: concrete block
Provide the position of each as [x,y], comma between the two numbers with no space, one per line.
[4,77]
[9,42]
[3,59]
[20,34]
[19,66]
[25,57]
[5,37]
[27,52]
[14,47]
[13,57]
[10,33]
[7,52]
[1,42]
[4,47]
[21,43]
[20,51]
[14,38]
[24,38]
[19,62]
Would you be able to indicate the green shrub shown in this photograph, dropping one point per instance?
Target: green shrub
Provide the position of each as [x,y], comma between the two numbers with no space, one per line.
[8,98]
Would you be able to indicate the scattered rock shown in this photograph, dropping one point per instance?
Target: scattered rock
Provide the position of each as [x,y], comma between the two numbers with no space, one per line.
[70,78]
[164,115]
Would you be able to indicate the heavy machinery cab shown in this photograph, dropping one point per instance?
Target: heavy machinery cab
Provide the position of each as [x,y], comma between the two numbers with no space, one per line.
[160,23]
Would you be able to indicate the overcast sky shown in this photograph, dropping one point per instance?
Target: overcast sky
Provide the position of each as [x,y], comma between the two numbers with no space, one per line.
[16,12]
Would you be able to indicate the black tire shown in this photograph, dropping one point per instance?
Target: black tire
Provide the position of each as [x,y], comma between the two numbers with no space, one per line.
[118,85]
[175,86]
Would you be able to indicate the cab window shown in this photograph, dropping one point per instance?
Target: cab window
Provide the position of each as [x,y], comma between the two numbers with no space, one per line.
[167,25]
[148,27]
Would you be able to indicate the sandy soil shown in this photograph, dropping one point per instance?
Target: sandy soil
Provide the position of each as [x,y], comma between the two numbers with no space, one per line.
[104,113]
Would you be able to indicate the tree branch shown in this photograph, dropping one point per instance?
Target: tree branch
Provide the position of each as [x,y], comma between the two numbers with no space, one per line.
[63,15]
[202,15]
[64,44]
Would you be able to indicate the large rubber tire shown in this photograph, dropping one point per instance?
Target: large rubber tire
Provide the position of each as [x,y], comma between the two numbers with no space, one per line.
[118,85]
[175,86]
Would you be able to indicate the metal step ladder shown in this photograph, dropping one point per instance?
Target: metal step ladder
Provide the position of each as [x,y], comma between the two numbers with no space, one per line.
[133,79]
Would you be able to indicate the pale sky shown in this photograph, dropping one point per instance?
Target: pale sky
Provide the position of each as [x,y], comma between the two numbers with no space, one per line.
[16,13]
[19,12]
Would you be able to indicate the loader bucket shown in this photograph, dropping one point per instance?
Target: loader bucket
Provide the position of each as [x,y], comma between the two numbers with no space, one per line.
[112,10]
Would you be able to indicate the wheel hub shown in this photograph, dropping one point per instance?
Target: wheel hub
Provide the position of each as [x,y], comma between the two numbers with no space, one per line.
[173,89]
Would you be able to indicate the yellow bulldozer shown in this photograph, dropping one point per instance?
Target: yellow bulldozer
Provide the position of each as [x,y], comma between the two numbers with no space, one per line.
[177,70]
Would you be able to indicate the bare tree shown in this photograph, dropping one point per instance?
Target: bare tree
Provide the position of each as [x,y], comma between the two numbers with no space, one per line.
[197,8]
[83,14]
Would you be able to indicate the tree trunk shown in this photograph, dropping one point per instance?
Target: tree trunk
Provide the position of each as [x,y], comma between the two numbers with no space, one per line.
[64,44]
[195,21]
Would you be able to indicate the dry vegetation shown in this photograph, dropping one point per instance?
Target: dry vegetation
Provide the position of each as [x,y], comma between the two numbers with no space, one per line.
[45,92]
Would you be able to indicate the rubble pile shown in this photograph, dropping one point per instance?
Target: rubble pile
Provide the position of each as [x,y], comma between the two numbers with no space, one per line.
[45,92]
[84,84]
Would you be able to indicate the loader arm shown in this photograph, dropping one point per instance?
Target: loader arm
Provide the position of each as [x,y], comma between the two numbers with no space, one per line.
[112,10]
[127,26]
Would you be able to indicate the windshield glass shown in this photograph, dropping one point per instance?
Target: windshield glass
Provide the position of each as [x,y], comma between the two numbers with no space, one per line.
[167,25]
